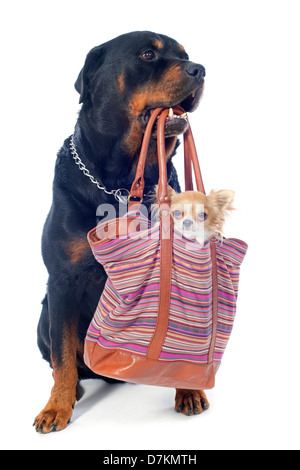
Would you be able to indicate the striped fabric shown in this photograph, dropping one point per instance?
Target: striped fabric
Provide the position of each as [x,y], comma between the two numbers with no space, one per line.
[127,311]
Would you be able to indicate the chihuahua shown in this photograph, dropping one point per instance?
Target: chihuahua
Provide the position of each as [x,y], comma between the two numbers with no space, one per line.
[197,216]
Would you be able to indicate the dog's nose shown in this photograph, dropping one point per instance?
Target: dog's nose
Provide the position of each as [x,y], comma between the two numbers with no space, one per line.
[195,70]
[187,223]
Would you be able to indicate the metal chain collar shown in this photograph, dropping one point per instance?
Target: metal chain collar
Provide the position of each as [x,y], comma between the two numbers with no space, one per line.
[117,193]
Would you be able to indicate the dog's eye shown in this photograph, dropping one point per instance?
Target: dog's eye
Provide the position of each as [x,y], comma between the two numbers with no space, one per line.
[202,216]
[148,55]
[177,214]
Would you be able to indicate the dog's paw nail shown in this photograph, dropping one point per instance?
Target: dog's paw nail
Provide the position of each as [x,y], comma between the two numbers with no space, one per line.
[179,409]
[53,427]
[189,412]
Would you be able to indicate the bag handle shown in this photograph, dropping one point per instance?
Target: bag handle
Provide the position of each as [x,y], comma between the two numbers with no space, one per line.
[166,244]
[137,188]
[190,159]
[166,221]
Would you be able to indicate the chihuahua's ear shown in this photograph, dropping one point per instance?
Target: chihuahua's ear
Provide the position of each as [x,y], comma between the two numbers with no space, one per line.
[224,199]
[171,193]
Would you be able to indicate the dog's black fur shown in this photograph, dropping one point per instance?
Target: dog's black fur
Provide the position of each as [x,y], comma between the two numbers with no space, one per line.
[120,82]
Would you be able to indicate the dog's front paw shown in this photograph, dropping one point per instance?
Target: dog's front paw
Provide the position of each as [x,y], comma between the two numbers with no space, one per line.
[52,418]
[190,402]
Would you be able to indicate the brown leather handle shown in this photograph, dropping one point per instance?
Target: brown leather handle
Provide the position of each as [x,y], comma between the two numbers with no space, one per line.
[137,188]
[190,159]
[162,193]
[166,221]
[166,243]
[188,176]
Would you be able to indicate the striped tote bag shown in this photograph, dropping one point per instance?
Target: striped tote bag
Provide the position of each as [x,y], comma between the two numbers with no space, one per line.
[168,306]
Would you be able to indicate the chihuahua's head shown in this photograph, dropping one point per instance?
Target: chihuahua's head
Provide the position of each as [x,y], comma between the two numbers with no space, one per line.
[198,216]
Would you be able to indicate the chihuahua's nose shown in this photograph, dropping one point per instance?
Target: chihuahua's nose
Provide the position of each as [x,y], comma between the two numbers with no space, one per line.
[187,223]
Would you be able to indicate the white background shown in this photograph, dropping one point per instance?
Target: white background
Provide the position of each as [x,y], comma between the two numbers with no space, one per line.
[247,135]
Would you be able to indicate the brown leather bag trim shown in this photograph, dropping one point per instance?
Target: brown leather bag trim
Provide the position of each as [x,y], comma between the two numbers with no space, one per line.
[123,365]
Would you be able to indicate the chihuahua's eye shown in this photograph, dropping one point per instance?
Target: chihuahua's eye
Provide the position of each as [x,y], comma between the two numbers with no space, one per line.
[202,216]
[177,214]
[148,55]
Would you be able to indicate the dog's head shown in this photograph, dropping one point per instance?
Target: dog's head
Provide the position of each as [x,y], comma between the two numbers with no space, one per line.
[197,216]
[125,78]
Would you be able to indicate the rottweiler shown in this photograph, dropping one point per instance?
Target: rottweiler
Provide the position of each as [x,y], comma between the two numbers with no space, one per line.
[120,83]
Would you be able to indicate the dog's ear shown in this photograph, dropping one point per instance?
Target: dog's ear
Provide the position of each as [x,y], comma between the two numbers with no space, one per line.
[171,193]
[223,198]
[93,61]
